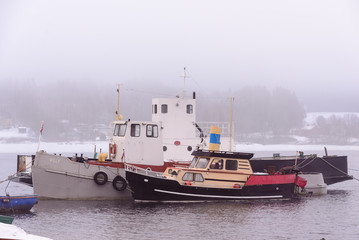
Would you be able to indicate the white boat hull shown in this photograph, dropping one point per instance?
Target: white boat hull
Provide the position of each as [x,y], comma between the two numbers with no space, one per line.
[315,184]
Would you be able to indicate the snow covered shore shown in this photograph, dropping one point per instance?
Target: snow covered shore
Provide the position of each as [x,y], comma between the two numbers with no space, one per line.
[54,147]
[88,147]
[8,231]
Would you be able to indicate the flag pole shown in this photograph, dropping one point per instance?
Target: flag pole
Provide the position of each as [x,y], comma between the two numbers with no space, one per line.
[41,129]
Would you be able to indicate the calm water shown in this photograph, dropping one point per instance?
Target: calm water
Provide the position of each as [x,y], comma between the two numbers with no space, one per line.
[333,216]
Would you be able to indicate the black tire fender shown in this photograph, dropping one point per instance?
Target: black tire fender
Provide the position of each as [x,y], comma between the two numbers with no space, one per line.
[119,183]
[100,178]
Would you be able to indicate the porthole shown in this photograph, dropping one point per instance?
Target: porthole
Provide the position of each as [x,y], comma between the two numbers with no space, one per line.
[164,148]
[189,148]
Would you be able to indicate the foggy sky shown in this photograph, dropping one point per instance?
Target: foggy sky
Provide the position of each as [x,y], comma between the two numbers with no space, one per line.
[311,47]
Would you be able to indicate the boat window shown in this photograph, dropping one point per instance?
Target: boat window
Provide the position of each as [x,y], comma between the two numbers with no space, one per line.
[152,131]
[197,177]
[120,130]
[189,108]
[202,163]
[115,131]
[154,108]
[217,164]
[194,160]
[135,130]
[231,165]
[188,176]
[164,108]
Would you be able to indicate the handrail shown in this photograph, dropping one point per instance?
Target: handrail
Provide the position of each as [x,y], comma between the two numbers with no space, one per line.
[142,171]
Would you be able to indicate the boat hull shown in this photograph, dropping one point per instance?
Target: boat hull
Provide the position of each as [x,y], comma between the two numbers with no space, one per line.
[6,219]
[333,168]
[148,188]
[57,177]
[17,203]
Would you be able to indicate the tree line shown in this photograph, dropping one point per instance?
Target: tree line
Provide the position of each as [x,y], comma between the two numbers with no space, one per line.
[75,110]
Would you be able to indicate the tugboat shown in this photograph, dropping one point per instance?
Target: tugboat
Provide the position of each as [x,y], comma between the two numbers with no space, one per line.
[212,176]
[168,140]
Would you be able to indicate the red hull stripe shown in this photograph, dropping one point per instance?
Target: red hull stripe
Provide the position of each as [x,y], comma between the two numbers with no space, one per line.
[270,179]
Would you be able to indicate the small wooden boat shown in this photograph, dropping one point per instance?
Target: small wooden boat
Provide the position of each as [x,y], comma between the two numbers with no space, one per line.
[17,203]
[6,219]
[212,176]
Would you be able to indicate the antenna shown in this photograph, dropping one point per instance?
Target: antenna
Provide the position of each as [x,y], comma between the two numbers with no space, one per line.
[231,125]
[118,117]
[184,81]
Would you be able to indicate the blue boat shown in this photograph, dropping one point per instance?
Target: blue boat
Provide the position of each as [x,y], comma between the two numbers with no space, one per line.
[17,203]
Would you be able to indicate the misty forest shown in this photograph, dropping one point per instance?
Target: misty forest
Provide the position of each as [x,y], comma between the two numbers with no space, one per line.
[82,111]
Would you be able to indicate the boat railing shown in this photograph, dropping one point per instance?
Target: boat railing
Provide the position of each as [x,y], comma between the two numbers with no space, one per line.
[148,172]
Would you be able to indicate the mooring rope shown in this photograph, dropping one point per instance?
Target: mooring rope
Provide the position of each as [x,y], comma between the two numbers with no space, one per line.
[11,176]
[338,169]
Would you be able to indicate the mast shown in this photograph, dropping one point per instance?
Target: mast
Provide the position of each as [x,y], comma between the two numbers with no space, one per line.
[184,81]
[230,125]
[118,103]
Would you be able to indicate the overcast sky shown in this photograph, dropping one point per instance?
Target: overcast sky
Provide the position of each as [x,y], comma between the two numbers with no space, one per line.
[311,47]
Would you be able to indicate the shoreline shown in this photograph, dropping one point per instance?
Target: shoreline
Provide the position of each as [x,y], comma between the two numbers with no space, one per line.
[88,147]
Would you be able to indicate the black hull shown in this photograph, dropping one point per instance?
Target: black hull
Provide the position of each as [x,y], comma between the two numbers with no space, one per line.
[147,188]
[333,168]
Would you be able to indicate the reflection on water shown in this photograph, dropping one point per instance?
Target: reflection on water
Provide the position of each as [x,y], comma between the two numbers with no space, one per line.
[332,216]
[305,218]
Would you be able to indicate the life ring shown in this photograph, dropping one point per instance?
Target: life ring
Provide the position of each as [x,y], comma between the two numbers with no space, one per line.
[119,183]
[112,150]
[100,178]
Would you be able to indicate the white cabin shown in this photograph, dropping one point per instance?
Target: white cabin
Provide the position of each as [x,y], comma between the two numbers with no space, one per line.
[178,118]
[175,121]
[142,141]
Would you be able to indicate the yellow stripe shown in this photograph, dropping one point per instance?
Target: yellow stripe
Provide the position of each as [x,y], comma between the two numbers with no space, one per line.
[215,130]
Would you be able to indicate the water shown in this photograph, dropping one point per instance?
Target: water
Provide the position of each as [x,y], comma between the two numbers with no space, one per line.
[331,216]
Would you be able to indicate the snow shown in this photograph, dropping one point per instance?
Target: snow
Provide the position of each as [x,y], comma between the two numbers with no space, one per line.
[88,147]
[8,231]
[12,133]
[54,147]
[294,147]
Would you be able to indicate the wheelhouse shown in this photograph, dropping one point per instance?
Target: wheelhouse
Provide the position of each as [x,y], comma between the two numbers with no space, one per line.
[142,141]
[214,169]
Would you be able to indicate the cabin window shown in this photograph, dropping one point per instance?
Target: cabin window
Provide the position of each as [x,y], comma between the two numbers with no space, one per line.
[197,177]
[152,131]
[217,164]
[154,108]
[231,165]
[202,163]
[135,130]
[194,160]
[164,108]
[120,130]
[189,108]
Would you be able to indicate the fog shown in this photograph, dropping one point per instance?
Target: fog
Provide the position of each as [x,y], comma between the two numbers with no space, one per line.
[309,48]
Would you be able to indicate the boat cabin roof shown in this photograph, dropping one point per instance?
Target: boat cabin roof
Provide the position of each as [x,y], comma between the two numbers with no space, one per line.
[222,154]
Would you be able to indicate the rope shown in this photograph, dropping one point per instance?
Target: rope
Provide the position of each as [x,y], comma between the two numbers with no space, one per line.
[304,164]
[300,165]
[13,175]
[338,169]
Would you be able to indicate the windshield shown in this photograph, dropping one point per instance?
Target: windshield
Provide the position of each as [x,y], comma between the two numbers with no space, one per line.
[193,162]
[202,163]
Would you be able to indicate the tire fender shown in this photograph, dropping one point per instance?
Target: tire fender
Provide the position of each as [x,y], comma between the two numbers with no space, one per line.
[119,183]
[100,178]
